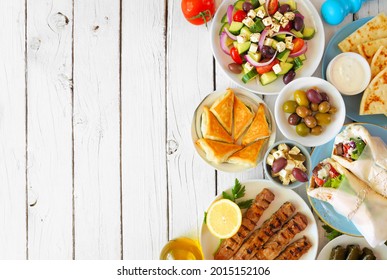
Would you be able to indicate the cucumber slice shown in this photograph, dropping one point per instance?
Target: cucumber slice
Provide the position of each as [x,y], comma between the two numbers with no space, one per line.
[256,56]
[297,68]
[297,63]
[224,18]
[250,75]
[308,33]
[285,67]
[283,56]
[257,27]
[280,37]
[229,41]
[245,31]
[247,69]
[235,27]
[243,47]
[290,59]
[268,78]
[302,57]
[238,5]
[225,25]
[274,44]
[296,33]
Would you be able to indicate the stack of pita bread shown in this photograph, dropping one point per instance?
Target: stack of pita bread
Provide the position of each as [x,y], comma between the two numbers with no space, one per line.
[370,41]
[232,132]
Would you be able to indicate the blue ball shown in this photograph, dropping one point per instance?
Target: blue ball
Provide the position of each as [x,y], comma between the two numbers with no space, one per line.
[333,12]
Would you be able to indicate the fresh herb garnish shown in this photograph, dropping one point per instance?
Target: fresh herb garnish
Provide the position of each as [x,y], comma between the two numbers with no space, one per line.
[238,191]
[205,218]
[330,232]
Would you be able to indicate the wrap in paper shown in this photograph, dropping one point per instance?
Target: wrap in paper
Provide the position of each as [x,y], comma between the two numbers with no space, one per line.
[371,166]
[358,203]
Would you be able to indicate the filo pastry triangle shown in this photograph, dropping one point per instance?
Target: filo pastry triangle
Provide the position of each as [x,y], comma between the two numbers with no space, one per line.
[258,129]
[217,151]
[242,117]
[248,155]
[223,110]
[212,129]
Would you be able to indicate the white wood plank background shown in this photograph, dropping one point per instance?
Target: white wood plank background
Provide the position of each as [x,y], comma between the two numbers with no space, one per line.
[96,104]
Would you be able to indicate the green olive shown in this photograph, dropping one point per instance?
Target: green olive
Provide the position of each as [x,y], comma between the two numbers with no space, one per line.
[301,98]
[302,129]
[290,106]
[323,119]
[310,121]
[332,110]
[314,107]
[316,130]
[324,107]
[302,111]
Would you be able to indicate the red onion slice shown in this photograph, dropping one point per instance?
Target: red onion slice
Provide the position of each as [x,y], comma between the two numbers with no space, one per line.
[284,32]
[300,52]
[223,44]
[229,34]
[229,13]
[250,60]
[262,38]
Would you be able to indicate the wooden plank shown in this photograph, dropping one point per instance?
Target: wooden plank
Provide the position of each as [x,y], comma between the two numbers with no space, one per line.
[97,184]
[144,183]
[12,130]
[49,171]
[190,78]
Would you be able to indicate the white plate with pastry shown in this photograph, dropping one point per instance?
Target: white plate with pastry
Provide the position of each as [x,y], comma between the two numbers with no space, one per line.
[231,130]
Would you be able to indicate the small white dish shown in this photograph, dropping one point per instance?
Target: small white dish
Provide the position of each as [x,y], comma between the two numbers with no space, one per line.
[252,101]
[380,251]
[349,72]
[329,131]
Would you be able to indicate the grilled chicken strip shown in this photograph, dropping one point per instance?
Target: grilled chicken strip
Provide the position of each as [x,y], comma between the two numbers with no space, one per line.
[295,250]
[267,230]
[231,245]
[273,247]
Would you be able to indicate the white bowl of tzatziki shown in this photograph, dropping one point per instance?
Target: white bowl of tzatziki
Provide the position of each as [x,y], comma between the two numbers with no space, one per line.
[349,72]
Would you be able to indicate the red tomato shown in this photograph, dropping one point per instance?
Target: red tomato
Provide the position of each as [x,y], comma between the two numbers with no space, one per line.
[298,44]
[239,16]
[319,182]
[198,11]
[235,55]
[287,27]
[333,173]
[263,69]
[272,7]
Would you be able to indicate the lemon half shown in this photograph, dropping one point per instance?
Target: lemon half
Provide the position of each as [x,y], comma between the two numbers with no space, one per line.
[224,218]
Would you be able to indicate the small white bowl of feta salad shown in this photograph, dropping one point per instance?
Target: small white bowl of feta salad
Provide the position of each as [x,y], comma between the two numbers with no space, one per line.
[261,45]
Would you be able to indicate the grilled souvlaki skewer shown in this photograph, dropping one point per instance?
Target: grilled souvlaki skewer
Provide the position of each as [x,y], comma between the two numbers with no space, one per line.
[295,250]
[267,230]
[231,245]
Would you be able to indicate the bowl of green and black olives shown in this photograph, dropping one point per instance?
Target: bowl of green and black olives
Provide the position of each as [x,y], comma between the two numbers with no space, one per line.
[310,111]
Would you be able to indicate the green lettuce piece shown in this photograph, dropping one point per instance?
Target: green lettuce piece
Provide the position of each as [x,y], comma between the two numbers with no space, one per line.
[334,182]
[360,145]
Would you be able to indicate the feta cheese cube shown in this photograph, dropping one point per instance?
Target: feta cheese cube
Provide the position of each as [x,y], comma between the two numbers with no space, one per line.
[275,27]
[322,173]
[277,68]
[278,154]
[267,21]
[281,46]
[253,48]
[273,150]
[255,37]
[290,165]
[270,33]
[270,159]
[289,46]
[283,173]
[288,39]
[261,13]
[262,2]
[268,42]
[289,15]
[248,22]
[248,66]
[302,167]
[241,38]
[286,181]
[294,151]
[278,16]
[283,147]
[284,21]
[251,14]
[291,177]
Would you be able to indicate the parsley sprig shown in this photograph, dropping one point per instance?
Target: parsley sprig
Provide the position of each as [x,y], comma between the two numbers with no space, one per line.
[237,192]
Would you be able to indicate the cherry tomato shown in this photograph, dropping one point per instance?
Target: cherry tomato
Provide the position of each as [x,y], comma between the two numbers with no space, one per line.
[319,182]
[239,16]
[235,55]
[263,69]
[333,173]
[287,27]
[298,44]
[272,7]
[198,11]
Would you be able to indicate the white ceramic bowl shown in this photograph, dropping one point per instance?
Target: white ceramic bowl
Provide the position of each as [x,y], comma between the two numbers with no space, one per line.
[307,164]
[362,62]
[329,131]
[314,53]
[251,100]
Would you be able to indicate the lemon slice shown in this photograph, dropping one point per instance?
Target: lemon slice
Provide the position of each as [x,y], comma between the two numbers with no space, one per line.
[224,218]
